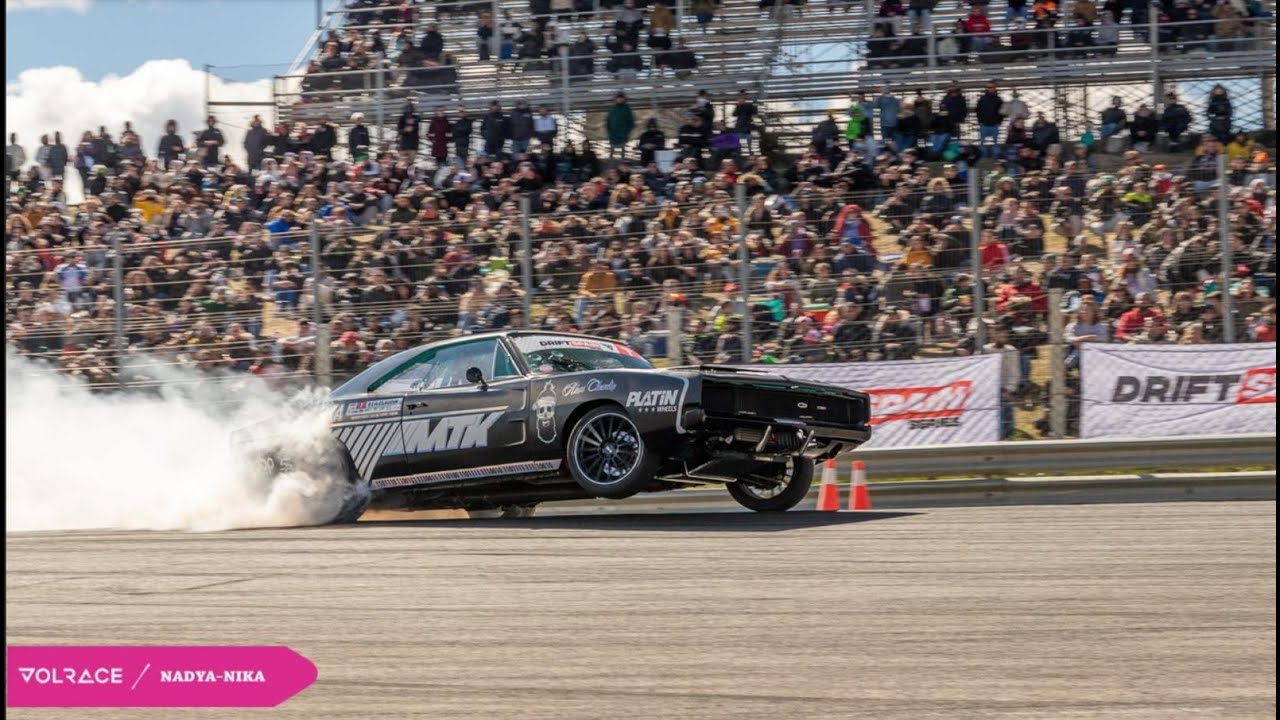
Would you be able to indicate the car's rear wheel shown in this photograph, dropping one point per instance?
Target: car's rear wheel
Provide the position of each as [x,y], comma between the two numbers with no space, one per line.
[355,493]
[787,488]
[607,456]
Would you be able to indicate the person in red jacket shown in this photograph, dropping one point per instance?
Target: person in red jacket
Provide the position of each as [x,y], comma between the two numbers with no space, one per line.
[995,254]
[439,131]
[978,27]
[1132,322]
[1022,284]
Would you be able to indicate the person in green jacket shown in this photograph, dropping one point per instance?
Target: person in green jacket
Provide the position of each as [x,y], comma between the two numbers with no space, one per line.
[618,124]
[855,129]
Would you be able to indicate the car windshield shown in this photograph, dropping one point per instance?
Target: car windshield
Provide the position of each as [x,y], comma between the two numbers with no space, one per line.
[555,354]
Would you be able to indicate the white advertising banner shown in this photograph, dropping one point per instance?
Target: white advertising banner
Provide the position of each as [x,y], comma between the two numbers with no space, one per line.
[918,402]
[1162,390]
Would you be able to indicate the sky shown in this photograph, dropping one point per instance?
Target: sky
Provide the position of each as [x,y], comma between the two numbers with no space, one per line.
[266,33]
[67,70]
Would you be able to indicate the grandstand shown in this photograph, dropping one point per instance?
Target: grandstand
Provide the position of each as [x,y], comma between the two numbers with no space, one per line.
[301,271]
[790,59]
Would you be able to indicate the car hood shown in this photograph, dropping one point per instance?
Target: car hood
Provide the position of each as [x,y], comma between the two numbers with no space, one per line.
[763,380]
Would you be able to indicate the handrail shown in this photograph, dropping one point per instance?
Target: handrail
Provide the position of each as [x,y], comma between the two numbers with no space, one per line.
[312,43]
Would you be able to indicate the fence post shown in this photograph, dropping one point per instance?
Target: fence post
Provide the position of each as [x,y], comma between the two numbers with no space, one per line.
[1057,367]
[1153,31]
[495,41]
[675,334]
[931,46]
[324,367]
[379,98]
[117,282]
[564,82]
[975,252]
[680,18]
[1224,248]
[744,273]
[526,260]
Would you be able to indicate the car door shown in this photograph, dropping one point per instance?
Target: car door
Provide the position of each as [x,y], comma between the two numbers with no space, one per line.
[449,423]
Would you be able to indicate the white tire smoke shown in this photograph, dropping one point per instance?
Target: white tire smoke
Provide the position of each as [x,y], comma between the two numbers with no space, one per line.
[161,459]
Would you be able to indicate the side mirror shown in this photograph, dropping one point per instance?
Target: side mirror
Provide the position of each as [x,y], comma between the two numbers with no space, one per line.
[476,377]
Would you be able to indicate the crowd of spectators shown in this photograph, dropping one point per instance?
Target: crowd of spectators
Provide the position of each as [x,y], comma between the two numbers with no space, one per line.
[857,249]
[904,35]
[401,40]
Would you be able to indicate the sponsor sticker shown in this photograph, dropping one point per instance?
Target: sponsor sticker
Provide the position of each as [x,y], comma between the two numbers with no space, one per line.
[1256,385]
[551,342]
[372,408]
[594,385]
[654,400]
[544,410]
[450,432]
[923,407]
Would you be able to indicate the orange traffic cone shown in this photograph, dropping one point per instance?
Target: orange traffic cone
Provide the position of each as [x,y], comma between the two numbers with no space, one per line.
[829,493]
[859,496]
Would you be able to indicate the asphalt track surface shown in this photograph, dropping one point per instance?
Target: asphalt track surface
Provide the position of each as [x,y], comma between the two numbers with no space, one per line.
[1061,611]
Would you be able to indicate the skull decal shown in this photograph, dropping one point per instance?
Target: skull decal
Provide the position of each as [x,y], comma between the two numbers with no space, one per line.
[544,408]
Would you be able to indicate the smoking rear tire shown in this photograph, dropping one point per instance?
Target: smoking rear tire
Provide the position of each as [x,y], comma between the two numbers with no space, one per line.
[799,480]
[607,456]
[356,493]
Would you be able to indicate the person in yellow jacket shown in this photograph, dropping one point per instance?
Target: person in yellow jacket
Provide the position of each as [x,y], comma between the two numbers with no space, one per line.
[1240,147]
[599,281]
[149,205]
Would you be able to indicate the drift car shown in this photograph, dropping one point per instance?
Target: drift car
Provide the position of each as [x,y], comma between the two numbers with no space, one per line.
[507,420]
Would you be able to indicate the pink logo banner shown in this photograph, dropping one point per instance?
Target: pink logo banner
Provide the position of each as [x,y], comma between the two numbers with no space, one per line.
[155,676]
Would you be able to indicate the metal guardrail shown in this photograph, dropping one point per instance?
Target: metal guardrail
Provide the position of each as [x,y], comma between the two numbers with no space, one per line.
[1253,485]
[1007,459]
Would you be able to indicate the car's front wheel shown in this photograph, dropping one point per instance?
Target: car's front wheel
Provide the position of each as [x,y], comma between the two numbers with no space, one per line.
[607,456]
[783,491]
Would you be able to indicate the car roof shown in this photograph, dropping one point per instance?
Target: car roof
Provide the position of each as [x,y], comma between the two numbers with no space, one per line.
[366,376]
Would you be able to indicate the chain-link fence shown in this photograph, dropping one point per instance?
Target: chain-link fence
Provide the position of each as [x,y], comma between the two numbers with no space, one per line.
[825,262]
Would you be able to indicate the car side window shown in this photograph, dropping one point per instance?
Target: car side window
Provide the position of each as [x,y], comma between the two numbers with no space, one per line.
[408,377]
[447,367]
[451,364]
[503,365]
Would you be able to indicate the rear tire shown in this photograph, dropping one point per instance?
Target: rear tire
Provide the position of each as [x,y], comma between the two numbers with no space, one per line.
[798,478]
[356,493]
[607,456]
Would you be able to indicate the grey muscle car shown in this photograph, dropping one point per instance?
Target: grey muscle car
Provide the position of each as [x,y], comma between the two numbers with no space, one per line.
[507,420]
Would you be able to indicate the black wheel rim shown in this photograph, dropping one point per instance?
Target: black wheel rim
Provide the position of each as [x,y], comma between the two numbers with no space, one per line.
[760,488]
[607,449]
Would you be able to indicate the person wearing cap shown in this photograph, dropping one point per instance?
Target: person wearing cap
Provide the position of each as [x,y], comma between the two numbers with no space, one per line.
[211,142]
